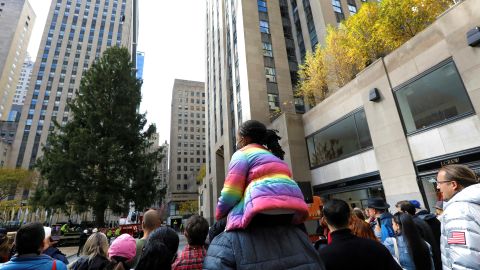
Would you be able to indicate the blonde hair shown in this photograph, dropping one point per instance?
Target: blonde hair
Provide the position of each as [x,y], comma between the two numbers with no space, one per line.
[96,244]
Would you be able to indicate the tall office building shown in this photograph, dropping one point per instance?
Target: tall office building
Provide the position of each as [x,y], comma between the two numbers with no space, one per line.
[21,91]
[24,81]
[16,23]
[253,51]
[140,59]
[163,174]
[76,33]
[187,142]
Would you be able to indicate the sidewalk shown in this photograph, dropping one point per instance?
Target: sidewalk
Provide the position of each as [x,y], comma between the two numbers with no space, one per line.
[69,251]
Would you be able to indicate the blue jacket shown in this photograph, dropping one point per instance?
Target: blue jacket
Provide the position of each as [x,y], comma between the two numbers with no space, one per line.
[386,227]
[32,262]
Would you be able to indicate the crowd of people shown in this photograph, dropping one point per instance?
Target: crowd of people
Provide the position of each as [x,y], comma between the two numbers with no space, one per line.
[260,225]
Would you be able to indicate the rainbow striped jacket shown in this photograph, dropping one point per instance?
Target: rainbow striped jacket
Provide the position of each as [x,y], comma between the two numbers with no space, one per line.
[258,181]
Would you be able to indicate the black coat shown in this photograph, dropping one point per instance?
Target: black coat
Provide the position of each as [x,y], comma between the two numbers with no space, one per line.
[265,248]
[427,235]
[347,251]
[96,263]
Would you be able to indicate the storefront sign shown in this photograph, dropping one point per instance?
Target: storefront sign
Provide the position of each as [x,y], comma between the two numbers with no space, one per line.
[450,161]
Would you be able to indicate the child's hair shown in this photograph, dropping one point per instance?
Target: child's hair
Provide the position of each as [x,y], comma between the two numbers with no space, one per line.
[258,133]
[197,230]
[160,250]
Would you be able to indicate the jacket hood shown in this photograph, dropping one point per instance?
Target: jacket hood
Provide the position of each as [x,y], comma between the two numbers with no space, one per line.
[470,194]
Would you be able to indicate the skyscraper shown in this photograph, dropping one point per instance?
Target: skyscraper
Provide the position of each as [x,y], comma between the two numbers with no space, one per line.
[187,142]
[21,90]
[16,23]
[76,33]
[140,59]
[24,81]
[252,56]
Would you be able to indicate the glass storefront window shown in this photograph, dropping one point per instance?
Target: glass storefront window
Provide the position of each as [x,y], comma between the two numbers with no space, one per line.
[339,140]
[435,97]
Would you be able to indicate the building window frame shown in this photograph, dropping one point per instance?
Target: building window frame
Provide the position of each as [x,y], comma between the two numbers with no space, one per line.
[356,152]
[447,121]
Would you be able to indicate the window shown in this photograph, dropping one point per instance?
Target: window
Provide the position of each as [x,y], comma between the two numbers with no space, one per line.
[262,5]
[273,102]
[264,28]
[267,49]
[352,7]
[339,140]
[437,96]
[270,74]
[337,9]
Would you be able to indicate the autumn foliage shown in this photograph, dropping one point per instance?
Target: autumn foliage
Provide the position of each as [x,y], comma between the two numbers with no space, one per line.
[376,30]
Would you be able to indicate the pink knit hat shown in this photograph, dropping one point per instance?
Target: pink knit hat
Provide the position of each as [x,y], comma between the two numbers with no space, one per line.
[123,246]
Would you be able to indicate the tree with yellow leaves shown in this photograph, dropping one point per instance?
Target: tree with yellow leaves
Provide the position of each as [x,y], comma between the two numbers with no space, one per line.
[11,179]
[188,207]
[400,20]
[313,77]
[376,30]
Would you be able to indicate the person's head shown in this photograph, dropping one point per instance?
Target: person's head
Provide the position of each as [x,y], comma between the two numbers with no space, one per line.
[360,228]
[403,225]
[151,220]
[405,207]
[359,213]
[377,206]
[160,250]
[122,251]
[96,245]
[252,131]
[29,238]
[196,230]
[439,208]
[452,179]
[337,214]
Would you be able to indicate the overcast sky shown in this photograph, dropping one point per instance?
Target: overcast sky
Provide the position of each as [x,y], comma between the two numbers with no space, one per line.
[172,37]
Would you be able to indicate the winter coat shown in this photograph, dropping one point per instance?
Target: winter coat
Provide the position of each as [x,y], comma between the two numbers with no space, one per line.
[348,251]
[432,221]
[32,262]
[460,240]
[56,254]
[265,248]
[258,181]
[96,263]
[426,232]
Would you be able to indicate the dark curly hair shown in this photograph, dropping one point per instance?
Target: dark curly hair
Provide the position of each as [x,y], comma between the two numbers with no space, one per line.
[160,250]
[258,133]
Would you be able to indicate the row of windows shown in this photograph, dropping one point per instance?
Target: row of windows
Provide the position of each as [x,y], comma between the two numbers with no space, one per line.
[434,97]
[191,160]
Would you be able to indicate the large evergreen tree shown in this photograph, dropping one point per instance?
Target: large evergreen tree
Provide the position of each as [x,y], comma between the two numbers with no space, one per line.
[101,158]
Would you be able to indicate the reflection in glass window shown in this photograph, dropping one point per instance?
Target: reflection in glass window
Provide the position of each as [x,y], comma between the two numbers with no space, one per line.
[264,27]
[270,74]
[273,102]
[262,5]
[267,49]
[339,140]
[433,98]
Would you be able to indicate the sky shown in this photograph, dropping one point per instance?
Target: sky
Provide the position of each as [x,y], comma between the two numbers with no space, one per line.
[172,37]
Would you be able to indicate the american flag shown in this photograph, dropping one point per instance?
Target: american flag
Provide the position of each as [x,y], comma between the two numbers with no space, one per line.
[456,238]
